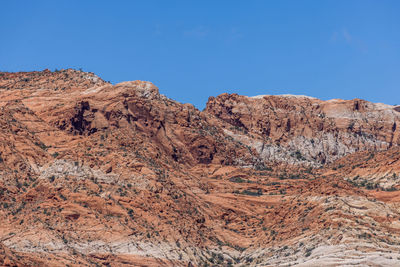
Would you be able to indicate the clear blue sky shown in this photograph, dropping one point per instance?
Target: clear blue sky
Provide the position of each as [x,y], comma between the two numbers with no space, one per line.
[195,49]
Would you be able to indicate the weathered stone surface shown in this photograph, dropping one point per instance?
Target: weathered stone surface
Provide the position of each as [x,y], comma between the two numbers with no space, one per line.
[94,173]
[322,131]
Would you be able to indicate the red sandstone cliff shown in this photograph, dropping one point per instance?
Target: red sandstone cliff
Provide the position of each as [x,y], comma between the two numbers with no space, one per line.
[95,173]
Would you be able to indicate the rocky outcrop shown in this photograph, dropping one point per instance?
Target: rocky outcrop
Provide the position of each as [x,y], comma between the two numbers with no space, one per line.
[98,174]
[307,129]
[58,80]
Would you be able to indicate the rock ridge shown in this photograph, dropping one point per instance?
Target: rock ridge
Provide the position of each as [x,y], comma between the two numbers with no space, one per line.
[93,174]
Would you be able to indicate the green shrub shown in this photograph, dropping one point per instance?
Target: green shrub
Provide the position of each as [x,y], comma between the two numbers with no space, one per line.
[237,179]
[252,193]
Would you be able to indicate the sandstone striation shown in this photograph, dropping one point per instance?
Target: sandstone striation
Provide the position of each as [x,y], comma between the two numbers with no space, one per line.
[120,175]
[322,131]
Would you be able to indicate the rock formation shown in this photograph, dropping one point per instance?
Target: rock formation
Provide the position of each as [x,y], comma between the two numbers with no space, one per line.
[98,174]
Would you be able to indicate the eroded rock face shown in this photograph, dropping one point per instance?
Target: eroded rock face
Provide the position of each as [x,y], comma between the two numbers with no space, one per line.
[322,131]
[58,80]
[94,173]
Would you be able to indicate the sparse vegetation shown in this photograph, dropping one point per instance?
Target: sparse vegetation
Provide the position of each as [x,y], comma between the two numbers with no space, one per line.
[252,193]
[237,179]
[152,171]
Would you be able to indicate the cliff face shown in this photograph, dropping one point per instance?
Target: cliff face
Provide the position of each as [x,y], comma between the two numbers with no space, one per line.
[322,131]
[94,173]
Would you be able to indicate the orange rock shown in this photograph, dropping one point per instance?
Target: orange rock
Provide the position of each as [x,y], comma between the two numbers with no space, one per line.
[94,173]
